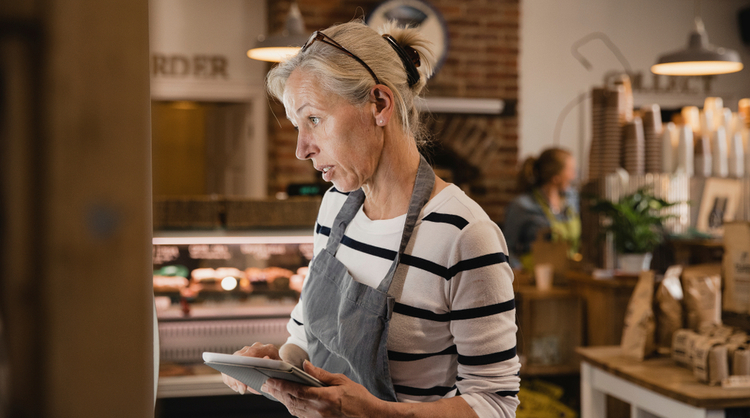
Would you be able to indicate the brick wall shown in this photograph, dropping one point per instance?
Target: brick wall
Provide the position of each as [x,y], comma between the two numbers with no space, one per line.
[482,62]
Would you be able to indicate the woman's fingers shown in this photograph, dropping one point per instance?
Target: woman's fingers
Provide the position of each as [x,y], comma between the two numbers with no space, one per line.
[237,386]
[259,350]
[256,350]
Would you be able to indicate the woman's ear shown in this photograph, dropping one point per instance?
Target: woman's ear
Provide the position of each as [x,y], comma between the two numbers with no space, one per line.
[381,99]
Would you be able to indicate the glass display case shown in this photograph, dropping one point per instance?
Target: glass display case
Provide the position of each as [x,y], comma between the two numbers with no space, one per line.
[222,290]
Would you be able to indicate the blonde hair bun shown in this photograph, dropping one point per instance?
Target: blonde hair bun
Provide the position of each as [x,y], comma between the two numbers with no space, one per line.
[409,37]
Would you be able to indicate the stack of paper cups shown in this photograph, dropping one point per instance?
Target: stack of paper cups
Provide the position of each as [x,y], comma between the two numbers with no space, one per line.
[703,156]
[612,141]
[736,155]
[633,150]
[685,163]
[725,118]
[692,117]
[652,128]
[707,126]
[713,103]
[598,104]
[744,109]
[719,165]
[670,137]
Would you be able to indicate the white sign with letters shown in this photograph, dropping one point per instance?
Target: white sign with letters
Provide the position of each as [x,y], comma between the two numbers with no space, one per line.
[198,49]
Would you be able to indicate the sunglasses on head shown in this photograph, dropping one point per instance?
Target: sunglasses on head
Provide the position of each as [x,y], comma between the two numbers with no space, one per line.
[322,37]
[410,59]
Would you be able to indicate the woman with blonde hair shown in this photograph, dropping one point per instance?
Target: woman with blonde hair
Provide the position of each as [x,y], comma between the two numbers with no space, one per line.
[408,306]
[548,205]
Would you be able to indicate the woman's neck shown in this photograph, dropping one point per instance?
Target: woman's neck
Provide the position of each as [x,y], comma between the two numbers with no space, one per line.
[551,193]
[388,193]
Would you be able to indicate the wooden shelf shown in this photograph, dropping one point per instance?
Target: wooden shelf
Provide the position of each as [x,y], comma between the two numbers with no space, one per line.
[461,105]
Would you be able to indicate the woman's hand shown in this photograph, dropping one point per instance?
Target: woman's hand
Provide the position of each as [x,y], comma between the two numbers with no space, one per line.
[342,397]
[256,350]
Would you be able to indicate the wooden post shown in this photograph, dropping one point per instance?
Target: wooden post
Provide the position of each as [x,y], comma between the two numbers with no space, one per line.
[75,284]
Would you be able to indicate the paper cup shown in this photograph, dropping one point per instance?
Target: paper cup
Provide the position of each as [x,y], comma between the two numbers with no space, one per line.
[543,273]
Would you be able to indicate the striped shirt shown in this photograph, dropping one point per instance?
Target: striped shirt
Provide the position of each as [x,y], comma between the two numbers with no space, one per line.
[453,330]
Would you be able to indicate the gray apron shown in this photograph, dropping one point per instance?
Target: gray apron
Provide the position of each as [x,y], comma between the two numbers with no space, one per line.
[346,322]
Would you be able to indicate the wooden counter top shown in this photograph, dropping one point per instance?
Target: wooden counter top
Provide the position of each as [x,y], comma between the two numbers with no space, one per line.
[664,376]
[617,281]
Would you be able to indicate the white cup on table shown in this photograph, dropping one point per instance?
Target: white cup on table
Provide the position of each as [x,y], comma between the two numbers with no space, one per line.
[543,274]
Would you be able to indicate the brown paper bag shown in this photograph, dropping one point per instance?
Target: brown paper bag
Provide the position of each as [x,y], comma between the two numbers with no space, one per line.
[555,253]
[718,364]
[741,362]
[701,286]
[638,332]
[710,362]
[683,342]
[668,307]
[736,266]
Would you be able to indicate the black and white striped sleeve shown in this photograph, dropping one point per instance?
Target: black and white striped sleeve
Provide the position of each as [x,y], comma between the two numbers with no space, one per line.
[483,323]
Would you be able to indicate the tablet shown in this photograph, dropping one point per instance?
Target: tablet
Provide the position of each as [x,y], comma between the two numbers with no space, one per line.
[254,371]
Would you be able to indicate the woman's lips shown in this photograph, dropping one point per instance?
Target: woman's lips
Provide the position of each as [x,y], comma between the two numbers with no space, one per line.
[327,171]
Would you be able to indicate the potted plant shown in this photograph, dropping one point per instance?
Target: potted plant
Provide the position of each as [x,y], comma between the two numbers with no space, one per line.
[636,224]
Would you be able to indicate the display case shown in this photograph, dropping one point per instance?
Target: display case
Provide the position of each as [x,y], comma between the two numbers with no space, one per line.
[222,290]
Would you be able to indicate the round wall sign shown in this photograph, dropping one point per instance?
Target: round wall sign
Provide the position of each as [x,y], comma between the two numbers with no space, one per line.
[418,14]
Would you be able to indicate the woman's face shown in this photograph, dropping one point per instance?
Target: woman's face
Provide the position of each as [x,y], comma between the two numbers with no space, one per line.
[338,137]
[568,173]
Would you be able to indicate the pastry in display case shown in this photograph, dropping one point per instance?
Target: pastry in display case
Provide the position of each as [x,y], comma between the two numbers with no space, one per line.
[222,290]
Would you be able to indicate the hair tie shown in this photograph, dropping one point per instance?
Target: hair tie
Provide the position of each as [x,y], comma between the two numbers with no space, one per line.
[409,57]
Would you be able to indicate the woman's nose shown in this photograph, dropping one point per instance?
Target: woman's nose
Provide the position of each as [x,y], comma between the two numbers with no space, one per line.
[306,148]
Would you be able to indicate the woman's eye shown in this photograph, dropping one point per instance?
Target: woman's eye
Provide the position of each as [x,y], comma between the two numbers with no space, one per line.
[314,119]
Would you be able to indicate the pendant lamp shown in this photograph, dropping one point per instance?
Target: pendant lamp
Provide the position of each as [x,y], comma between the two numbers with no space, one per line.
[700,57]
[277,48]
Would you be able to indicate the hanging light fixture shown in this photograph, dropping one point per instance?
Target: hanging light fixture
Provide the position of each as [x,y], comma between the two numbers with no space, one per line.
[700,57]
[276,48]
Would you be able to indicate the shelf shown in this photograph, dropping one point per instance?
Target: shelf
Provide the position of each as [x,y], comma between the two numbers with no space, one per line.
[460,105]
[226,237]
[208,384]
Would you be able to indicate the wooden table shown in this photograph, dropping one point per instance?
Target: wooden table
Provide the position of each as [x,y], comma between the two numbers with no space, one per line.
[653,387]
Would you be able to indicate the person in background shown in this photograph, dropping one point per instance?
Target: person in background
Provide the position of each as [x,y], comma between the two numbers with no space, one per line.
[408,307]
[548,205]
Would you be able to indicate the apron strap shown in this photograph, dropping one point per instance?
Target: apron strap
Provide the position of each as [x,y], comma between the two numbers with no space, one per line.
[345,215]
[422,190]
[423,185]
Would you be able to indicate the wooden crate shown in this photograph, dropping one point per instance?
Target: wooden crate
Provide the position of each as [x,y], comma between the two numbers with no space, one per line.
[298,212]
[550,329]
[190,212]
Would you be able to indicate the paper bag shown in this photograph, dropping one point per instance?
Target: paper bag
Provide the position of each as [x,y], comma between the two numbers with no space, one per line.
[555,253]
[669,307]
[683,342]
[736,265]
[638,332]
[710,361]
[701,286]
[741,362]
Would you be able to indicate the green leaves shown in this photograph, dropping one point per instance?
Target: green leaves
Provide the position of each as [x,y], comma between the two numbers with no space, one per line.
[635,220]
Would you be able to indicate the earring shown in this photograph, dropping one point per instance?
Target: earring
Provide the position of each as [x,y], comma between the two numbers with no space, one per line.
[380,121]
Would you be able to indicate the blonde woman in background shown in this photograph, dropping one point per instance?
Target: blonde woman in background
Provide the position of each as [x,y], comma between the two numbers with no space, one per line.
[548,204]
[408,307]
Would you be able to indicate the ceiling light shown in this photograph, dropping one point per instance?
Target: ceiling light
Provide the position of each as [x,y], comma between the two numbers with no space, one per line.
[277,48]
[699,58]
